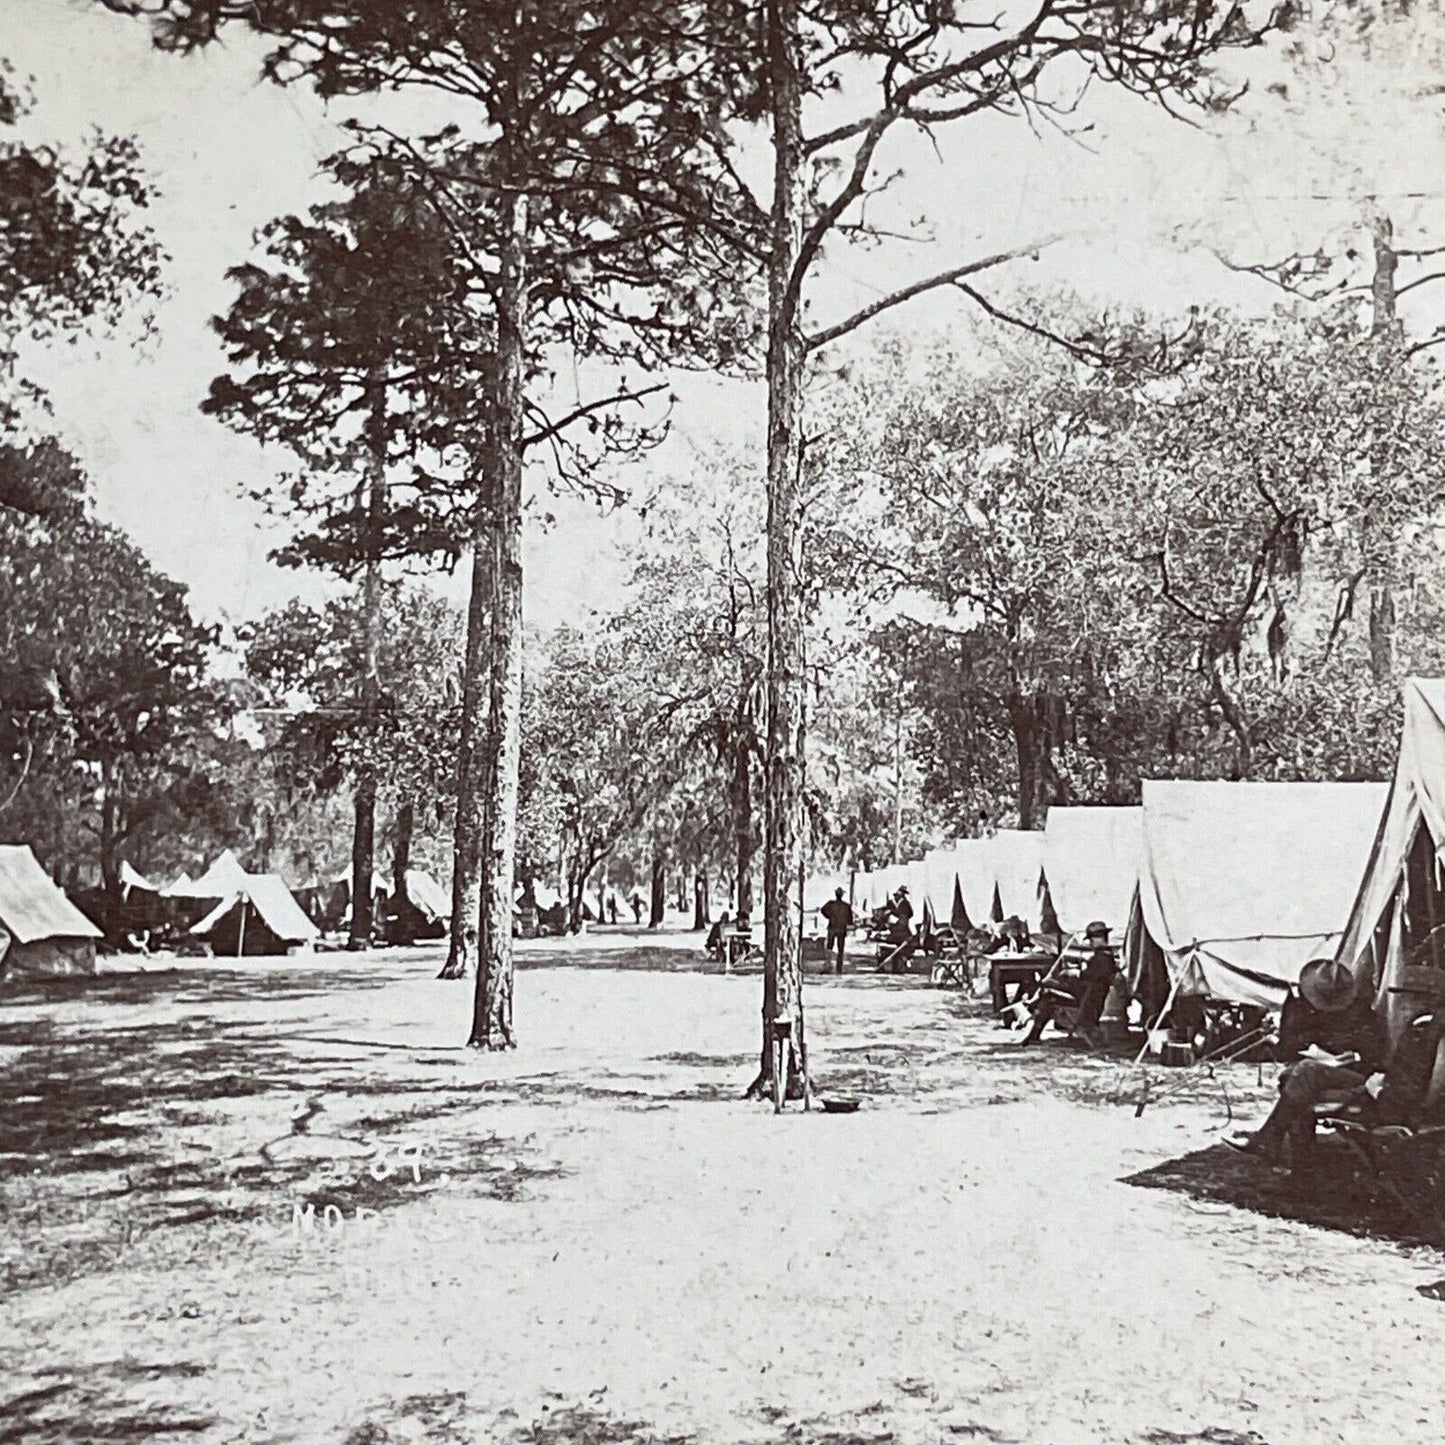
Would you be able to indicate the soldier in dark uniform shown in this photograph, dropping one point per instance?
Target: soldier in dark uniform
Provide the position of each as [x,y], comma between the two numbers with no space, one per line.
[1085,994]
[839,917]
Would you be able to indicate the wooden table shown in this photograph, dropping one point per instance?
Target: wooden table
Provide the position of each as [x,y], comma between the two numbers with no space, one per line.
[735,947]
[1022,971]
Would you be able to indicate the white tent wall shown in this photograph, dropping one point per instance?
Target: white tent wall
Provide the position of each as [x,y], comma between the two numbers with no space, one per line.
[1241,884]
[940,874]
[1091,865]
[1371,945]
[974,863]
[267,895]
[1018,861]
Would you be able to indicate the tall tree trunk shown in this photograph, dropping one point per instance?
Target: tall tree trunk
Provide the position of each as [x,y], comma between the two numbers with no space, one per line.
[576,900]
[898,779]
[658,902]
[400,863]
[1030,742]
[786,680]
[363,835]
[700,919]
[743,841]
[109,863]
[471,804]
[492,1025]
[1384,327]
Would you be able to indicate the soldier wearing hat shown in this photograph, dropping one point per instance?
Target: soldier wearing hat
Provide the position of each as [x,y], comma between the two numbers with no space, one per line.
[1085,993]
[1343,1045]
[901,911]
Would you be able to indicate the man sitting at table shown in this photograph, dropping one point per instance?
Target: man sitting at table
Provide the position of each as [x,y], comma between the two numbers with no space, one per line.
[1085,993]
[714,945]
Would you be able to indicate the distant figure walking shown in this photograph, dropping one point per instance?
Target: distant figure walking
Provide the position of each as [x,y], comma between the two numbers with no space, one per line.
[612,908]
[839,917]
[636,901]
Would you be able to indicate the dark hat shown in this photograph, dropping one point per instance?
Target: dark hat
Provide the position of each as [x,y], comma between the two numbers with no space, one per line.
[1326,984]
[903,888]
[1097,929]
[837,893]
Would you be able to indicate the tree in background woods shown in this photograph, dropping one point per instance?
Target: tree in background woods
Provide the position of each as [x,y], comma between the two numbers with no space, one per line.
[127,710]
[1000,518]
[345,349]
[304,661]
[591,745]
[75,253]
[698,618]
[1126,561]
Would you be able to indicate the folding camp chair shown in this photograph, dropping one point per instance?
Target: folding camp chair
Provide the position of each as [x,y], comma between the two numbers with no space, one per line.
[1406,1160]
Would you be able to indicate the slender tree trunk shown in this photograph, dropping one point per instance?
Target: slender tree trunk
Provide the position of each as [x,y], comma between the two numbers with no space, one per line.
[743,840]
[492,1025]
[576,899]
[786,680]
[400,863]
[898,779]
[699,901]
[1029,741]
[363,835]
[109,863]
[658,901]
[1385,327]
[471,804]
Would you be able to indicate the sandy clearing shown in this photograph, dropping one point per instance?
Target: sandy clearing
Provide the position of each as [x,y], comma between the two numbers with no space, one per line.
[935,1267]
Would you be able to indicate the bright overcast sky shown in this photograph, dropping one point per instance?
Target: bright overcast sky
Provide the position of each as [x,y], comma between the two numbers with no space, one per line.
[1143,199]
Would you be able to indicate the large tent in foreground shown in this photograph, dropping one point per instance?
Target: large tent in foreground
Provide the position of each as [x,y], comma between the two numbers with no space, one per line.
[1241,884]
[41,930]
[1394,942]
[1091,865]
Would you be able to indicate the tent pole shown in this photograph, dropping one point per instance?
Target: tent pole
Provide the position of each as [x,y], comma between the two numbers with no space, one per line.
[241,931]
[1144,1047]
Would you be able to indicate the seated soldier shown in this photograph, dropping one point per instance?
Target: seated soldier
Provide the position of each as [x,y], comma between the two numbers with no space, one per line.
[714,945]
[1085,993]
[900,911]
[1345,1065]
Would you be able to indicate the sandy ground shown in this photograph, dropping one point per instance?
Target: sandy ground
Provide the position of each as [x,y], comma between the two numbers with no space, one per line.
[595,1240]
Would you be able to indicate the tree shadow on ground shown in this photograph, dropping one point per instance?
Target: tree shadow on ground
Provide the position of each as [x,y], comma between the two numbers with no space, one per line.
[115,1128]
[116,1401]
[1336,1194]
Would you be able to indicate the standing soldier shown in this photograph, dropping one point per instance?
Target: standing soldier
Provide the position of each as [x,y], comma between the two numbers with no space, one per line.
[839,917]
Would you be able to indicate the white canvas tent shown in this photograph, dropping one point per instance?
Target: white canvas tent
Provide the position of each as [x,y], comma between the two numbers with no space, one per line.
[129,879]
[1393,942]
[1241,884]
[941,886]
[1091,865]
[222,879]
[256,912]
[41,930]
[978,885]
[1018,865]
[429,898]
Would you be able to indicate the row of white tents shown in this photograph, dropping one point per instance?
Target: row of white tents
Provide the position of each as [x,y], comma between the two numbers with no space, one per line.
[1220,889]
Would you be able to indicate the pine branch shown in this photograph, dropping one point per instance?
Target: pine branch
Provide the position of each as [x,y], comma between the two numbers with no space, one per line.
[950,277]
